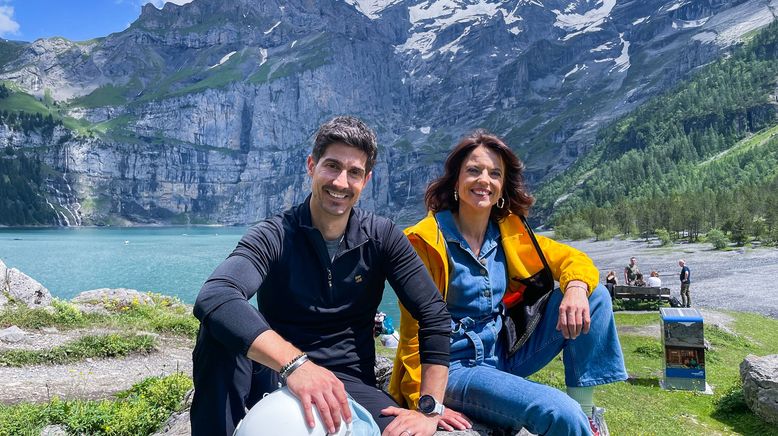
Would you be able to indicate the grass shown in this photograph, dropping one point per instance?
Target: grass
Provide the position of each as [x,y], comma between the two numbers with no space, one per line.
[103,346]
[137,411]
[167,315]
[641,407]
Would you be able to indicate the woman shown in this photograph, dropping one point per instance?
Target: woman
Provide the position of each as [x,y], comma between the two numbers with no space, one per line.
[654,280]
[610,282]
[493,273]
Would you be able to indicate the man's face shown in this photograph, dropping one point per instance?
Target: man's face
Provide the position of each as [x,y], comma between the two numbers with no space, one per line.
[337,180]
[633,261]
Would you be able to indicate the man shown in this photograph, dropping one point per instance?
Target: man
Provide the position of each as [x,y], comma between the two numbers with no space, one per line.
[631,272]
[686,299]
[318,271]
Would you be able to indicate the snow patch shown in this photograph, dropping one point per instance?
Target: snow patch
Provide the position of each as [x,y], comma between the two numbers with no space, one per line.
[293,44]
[271,29]
[622,62]
[425,130]
[574,70]
[689,24]
[676,6]
[430,17]
[262,56]
[224,59]
[592,18]
[604,47]
[640,20]
[371,8]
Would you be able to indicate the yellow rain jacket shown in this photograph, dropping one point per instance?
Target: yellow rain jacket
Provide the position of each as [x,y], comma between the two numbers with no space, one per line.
[566,264]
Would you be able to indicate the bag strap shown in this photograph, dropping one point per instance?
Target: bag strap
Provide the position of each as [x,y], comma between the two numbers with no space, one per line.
[546,268]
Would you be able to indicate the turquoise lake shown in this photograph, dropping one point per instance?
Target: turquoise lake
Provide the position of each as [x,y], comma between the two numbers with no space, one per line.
[168,260]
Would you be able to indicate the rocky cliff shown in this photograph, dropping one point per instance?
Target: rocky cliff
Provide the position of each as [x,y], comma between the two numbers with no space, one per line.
[204,112]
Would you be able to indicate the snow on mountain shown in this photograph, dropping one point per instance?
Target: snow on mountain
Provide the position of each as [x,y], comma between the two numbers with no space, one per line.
[371,8]
[429,18]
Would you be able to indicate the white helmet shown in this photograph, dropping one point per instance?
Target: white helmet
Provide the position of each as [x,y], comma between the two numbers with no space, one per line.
[281,413]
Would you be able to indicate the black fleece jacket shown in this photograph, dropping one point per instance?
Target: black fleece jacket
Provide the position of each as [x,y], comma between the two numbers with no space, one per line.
[325,308]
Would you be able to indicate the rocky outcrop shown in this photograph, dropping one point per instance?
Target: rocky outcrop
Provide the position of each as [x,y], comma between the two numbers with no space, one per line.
[106,300]
[760,385]
[18,287]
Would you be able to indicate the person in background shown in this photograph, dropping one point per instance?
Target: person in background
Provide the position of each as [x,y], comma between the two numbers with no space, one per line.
[653,280]
[686,280]
[318,271]
[508,321]
[610,282]
[631,272]
[639,280]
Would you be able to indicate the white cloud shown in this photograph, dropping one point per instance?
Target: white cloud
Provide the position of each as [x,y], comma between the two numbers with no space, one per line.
[7,23]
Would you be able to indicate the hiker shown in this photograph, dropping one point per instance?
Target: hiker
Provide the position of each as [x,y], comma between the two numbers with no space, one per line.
[686,279]
[318,271]
[631,272]
[489,267]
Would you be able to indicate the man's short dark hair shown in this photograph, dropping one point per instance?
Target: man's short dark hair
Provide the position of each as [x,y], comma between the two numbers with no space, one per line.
[346,130]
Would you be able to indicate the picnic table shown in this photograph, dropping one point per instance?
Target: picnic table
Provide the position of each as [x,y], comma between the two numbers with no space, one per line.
[643,293]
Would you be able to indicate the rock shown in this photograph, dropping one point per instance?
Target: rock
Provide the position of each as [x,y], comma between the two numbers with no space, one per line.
[105,300]
[760,385]
[19,287]
[12,334]
[383,372]
[178,423]
[53,430]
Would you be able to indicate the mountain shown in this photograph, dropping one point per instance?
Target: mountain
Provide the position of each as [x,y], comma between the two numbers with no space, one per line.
[701,156]
[203,113]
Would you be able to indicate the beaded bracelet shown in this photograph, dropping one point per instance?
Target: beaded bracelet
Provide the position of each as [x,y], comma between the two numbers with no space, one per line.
[289,368]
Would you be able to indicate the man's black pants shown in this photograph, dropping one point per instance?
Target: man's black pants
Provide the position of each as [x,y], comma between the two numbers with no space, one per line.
[227,384]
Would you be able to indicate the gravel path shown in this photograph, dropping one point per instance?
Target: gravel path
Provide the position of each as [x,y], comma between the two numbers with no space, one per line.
[730,280]
[92,378]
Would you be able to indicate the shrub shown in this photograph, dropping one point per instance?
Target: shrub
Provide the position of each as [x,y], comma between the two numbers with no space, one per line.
[717,238]
[575,230]
[664,237]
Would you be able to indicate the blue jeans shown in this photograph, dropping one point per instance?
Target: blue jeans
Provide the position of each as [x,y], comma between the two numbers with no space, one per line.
[502,397]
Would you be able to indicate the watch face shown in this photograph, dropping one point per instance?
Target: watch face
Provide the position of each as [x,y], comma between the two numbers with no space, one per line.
[426,404]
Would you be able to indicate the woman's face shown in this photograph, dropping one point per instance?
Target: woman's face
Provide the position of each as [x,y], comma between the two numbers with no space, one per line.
[480,180]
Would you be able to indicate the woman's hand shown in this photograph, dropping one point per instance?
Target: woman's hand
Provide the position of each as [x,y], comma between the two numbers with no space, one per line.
[453,420]
[574,317]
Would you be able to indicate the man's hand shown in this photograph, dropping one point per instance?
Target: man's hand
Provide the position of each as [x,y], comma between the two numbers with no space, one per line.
[410,423]
[574,317]
[313,384]
[453,420]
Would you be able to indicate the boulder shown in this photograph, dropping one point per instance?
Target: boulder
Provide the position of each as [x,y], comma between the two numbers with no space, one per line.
[760,385]
[18,287]
[106,300]
[178,424]
[53,430]
[12,334]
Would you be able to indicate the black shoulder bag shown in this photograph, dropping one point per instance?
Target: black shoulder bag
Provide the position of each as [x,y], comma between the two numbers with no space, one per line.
[520,320]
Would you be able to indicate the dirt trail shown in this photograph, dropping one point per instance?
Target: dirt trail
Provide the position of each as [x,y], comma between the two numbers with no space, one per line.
[91,378]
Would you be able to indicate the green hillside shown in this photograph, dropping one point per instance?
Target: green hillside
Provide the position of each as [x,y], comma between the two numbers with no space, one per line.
[702,156]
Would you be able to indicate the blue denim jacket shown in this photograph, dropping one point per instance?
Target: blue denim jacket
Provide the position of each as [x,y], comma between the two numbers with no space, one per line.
[476,288]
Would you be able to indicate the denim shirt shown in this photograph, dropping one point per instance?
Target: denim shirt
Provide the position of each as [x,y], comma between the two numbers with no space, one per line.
[474,298]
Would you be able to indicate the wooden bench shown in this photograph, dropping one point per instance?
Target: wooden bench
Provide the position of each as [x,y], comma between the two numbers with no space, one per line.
[641,293]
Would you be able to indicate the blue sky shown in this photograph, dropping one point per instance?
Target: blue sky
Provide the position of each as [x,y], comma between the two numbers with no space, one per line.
[78,20]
